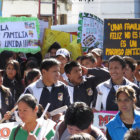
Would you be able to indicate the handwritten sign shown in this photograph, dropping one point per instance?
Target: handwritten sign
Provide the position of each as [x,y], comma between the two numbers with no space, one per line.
[90,31]
[102,118]
[122,37]
[19,34]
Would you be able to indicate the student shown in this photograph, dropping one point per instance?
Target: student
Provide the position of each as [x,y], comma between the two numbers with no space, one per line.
[78,119]
[12,79]
[130,68]
[27,109]
[63,56]
[6,100]
[32,76]
[88,60]
[106,90]
[81,89]
[97,52]
[132,134]
[127,117]
[48,89]
[52,50]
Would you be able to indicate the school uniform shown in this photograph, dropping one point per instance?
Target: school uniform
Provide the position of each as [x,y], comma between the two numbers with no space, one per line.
[16,87]
[107,92]
[6,101]
[57,95]
[86,90]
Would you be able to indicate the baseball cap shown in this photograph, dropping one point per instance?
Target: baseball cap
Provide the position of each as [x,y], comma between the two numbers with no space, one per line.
[63,52]
[97,51]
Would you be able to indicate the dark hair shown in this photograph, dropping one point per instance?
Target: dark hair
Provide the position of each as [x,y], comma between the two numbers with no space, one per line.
[79,114]
[29,77]
[70,65]
[29,99]
[4,57]
[31,63]
[118,59]
[16,66]
[48,63]
[79,58]
[131,62]
[40,111]
[37,56]
[132,134]
[89,56]
[55,45]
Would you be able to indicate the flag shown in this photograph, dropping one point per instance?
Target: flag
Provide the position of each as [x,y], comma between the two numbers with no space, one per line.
[46,128]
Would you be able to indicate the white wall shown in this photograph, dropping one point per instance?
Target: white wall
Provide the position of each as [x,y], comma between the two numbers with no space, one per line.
[101,8]
[105,9]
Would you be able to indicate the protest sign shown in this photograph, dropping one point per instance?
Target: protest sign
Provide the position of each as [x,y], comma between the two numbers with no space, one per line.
[66,40]
[122,37]
[90,31]
[19,34]
[43,25]
[5,130]
[102,118]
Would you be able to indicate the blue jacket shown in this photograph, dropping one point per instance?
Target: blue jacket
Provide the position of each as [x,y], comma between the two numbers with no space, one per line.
[117,129]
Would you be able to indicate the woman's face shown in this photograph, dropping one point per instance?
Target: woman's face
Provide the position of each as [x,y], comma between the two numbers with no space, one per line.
[26,113]
[10,71]
[125,104]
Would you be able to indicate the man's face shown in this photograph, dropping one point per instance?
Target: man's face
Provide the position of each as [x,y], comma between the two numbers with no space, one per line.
[98,59]
[75,130]
[75,75]
[63,61]
[88,64]
[129,74]
[53,52]
[52,75]
[116,71]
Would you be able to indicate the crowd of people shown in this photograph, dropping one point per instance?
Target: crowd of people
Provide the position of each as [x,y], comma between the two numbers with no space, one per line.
[86,85]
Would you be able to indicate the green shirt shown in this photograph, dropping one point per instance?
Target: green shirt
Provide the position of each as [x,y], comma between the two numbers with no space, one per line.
[23,134]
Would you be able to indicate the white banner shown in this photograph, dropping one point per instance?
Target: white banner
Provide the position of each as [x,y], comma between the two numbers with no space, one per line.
[5,130]
[19,34]
[102,118]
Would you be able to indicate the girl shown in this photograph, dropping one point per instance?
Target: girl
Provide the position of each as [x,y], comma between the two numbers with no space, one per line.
[127,116]
[6,101]
[12,79]
[28,109]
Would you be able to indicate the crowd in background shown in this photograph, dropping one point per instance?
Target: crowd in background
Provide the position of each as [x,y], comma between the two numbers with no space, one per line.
[87,85]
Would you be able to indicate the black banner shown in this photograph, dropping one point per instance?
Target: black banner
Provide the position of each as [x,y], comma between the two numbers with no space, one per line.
[121,37]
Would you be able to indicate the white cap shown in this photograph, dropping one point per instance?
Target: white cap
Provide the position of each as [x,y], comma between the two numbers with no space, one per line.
[97,51]
[63,52]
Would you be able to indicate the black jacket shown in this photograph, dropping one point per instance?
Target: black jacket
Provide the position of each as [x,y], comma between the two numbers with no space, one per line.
[16,87]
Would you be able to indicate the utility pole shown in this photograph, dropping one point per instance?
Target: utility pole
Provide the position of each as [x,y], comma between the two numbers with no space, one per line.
[54,8]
